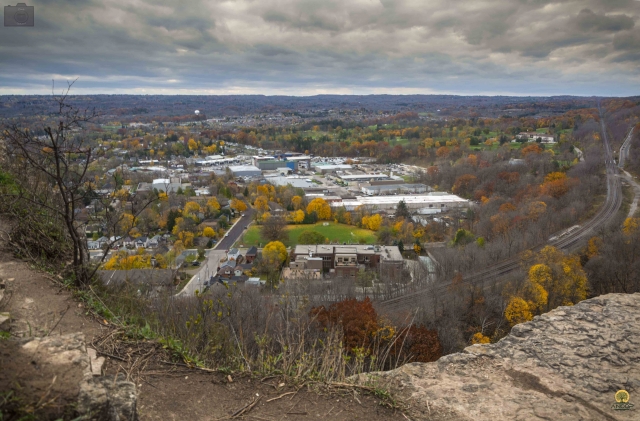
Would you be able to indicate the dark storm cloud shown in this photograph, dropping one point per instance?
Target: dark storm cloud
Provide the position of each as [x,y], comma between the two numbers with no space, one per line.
[314,46]
[589,21]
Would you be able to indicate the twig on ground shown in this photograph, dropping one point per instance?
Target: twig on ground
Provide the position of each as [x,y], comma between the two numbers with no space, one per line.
[208,370]
[111,356]
[281,396]
[59,320]
[244,410]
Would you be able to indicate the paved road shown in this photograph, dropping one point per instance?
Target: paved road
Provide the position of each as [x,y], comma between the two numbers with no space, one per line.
[209,267]
[235,232]
[212,262]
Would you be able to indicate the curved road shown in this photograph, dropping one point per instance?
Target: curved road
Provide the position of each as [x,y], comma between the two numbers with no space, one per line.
[566,240]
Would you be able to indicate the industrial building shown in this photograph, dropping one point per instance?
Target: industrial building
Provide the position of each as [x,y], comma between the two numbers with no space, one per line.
[329,168]
[441,201]
[274,164]
[385,189]
[303,162]
[245,171]
[346,260]
[350,178]
[293,181]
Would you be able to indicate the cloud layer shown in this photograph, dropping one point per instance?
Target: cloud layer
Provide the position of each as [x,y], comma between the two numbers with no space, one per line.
[302,47]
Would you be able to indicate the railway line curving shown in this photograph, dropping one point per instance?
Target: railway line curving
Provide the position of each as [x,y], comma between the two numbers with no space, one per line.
[565,240]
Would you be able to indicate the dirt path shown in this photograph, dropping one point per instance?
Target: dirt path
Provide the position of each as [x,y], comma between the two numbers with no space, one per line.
[40,307]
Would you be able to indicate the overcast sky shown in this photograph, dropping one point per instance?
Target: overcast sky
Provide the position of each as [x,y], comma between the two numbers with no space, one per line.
[511,47]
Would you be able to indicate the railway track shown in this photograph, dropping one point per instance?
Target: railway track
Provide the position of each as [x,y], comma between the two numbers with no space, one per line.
[564,240]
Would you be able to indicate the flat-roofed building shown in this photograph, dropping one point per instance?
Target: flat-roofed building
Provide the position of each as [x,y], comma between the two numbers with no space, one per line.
[385,189]
[258,158]
[245,171]
[274,164]
[348,178]
[434,200]
[298,182]
[303,162]
[346,260]
[329,168]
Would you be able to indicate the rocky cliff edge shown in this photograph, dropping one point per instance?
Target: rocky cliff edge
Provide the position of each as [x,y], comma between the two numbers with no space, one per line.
[564,365]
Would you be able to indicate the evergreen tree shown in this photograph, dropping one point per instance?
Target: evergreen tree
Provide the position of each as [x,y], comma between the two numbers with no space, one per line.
[402,211]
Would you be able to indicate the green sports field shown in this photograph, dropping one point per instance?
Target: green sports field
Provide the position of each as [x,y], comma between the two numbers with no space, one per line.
[340,232]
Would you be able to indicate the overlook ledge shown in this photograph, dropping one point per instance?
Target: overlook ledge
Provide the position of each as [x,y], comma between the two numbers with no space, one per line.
[564,365]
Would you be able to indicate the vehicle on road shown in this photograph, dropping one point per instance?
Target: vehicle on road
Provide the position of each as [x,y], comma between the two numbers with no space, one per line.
[245,227]
[196,263]
[226,235]
[242,214]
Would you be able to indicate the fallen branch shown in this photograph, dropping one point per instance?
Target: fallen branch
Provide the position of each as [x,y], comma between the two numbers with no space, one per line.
[208,370]
[281,396]
[246,408]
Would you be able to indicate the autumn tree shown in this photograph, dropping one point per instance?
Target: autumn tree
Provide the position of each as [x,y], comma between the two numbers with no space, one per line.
[357,319]
[238,205]
[465,184]
[554,279]
[372,222]
[261,204]
[212,205]
[274,228]
[296,201]
[274,254]
[320,207]
[297,217]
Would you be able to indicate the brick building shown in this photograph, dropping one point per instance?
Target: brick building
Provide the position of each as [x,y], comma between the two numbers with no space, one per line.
[346,260]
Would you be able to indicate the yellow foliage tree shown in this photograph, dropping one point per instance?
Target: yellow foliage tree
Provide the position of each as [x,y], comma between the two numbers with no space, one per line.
[372,222]
[274,253]
[630,225]
[517,311]
[213,205]
[593,247]
[161,262]
[191,208]
[297,216]
[554,279]
[479,338]
[553,176]
[296,201]
[209,232]
[193,145]
[186,237]
[238,205]
[126,223]
[320,207]
[261,203]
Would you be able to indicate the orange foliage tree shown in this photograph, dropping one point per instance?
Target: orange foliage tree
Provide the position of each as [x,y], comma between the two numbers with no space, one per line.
[358,319]
[465,184]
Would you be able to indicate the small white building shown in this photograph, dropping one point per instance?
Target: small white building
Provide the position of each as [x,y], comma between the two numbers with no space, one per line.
[534,136]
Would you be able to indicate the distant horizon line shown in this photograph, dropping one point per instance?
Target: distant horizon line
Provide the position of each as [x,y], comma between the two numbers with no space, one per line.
[338,95]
